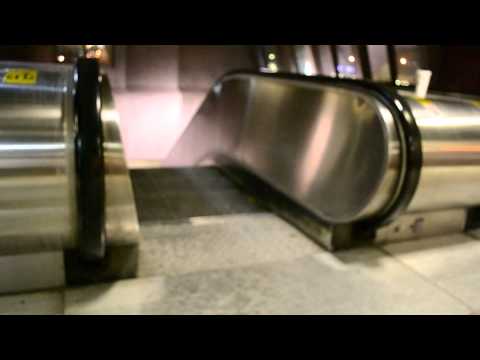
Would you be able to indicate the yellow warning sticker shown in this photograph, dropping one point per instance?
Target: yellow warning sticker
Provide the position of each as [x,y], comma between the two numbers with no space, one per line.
[21,77]
[428,105]
[425,102]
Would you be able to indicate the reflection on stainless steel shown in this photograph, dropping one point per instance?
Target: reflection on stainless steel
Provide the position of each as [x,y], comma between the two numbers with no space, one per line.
[121,215]
[37,175]
[38,207]
[450,176]
[339,152]
[335,151]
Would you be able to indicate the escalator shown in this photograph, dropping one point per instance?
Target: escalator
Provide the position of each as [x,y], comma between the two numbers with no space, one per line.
[343,160]
[346,162]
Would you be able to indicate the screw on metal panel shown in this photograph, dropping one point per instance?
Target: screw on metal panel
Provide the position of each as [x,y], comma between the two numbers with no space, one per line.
[416,226]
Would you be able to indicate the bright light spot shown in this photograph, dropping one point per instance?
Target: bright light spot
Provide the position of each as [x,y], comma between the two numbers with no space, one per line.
[61,58]
[31,147]
[351,58]
[309,70]
[399,105]
[403,61]
[98,53]
[217,88]
[346,69]
[272,67]
[271,56]
[402,82]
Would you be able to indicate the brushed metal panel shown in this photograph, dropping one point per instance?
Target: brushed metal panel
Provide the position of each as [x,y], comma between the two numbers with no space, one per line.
[37,180]
[336,151]
[38,199]
[450,131]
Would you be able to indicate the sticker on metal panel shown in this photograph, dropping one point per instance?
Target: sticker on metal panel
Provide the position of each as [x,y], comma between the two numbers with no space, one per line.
[21,77]
[429,105]
[424,102]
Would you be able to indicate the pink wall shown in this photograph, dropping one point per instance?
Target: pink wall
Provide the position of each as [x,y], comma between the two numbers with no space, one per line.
[151,122]
[157,90]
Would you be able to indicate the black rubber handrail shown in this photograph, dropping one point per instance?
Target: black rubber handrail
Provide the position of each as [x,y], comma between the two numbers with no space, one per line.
[89,161]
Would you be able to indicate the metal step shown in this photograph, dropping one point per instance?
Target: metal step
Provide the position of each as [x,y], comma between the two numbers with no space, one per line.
[181,193]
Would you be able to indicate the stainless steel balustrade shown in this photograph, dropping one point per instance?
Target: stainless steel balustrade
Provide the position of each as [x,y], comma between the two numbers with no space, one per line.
[339,148]
[38,162]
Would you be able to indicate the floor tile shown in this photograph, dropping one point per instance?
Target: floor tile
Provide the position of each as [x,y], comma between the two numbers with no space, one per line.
[38,303]
[28,272]
[219,242]
[452,262]
[362,281]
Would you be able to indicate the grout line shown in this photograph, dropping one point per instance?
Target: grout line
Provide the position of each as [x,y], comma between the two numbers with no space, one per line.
[203,219]
[428,280]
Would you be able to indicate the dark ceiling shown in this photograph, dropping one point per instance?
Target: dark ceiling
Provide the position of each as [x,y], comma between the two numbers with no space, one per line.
[455,68]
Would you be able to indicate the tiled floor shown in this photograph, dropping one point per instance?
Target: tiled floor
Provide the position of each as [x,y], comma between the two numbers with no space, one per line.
[231,257]
[31,272]
[358,282]
[36,303]
[450,262]
[406,278]
[219,243]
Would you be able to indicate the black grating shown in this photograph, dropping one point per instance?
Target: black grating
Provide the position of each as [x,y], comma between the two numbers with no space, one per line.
[180,193]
